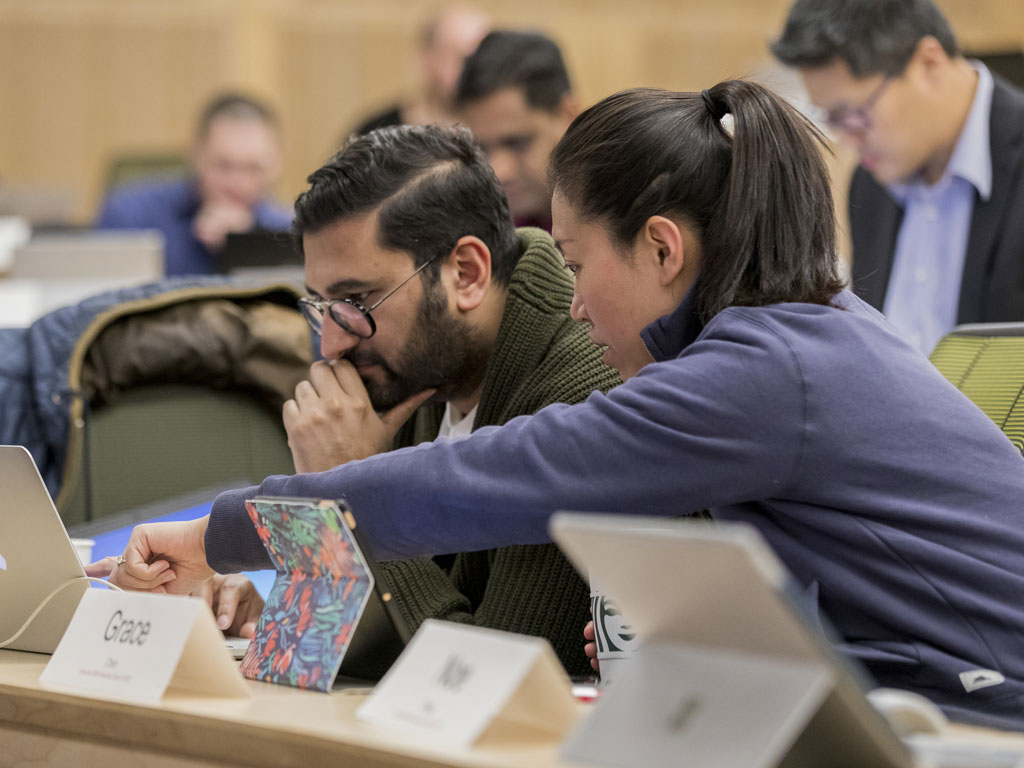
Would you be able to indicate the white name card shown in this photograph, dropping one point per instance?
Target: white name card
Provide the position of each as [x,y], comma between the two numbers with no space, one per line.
[456,683]
[131,646]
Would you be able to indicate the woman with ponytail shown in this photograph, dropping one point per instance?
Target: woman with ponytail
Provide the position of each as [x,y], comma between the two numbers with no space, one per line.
[700,229]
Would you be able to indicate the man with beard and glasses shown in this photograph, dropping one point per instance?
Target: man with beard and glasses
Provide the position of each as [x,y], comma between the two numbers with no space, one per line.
[436,317]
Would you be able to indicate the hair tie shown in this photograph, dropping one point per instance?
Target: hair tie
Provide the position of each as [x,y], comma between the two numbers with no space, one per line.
[714,108]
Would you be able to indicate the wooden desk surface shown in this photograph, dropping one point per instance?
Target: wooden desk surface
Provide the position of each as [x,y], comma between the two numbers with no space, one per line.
[278,726]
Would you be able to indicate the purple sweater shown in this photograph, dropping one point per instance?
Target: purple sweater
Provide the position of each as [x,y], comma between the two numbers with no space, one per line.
[895,502]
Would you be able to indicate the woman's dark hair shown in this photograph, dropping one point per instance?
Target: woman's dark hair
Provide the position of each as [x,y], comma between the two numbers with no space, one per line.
[759,200]
[431,185]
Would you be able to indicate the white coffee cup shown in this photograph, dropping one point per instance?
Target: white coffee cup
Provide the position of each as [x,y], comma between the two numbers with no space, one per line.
[616,641]
[83,547]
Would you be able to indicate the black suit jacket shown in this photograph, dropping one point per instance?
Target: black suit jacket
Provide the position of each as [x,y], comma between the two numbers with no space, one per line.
[992,288]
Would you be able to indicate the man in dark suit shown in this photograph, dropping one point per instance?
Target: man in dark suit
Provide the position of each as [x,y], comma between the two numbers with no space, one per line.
[937,202]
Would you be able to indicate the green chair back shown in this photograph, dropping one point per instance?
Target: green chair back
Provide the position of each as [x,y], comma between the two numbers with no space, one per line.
[126,169]
[161,441]
[986,363]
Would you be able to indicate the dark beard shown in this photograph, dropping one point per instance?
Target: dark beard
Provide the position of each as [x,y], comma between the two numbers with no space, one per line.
[442,352]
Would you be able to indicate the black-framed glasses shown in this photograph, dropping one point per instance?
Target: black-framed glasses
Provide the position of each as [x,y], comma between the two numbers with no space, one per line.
[349,314]
[855,121]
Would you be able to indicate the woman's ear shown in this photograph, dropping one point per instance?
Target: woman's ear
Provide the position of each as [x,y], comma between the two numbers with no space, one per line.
[666,246]
[470,261]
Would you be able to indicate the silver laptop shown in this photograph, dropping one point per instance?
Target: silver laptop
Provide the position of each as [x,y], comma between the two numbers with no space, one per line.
[39,204]
[126,256]
[713,591]
[36,556]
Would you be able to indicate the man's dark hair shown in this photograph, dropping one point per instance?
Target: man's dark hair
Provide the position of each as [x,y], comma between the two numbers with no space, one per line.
[871,36]
[431,185]
[759,200]
[237,106]
[506,59]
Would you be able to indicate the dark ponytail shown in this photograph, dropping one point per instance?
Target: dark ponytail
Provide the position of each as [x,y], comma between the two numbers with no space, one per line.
[759,200]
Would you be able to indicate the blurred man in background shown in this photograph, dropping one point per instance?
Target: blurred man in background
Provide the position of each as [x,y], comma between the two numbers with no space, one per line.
[445,41]
[514,95]
[938,239]
[235,161]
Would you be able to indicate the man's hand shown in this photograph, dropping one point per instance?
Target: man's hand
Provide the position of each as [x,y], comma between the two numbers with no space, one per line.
[160,557]
[234,601]
[591,647]
[218,217]
[331,420]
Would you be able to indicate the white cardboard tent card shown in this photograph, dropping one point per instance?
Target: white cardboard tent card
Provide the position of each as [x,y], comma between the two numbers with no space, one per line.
[132,647]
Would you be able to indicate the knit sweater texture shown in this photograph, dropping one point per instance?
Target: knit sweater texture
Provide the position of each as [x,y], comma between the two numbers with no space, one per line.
[541,356]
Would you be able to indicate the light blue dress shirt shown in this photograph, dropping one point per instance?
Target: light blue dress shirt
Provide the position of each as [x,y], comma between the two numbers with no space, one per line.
[924,287]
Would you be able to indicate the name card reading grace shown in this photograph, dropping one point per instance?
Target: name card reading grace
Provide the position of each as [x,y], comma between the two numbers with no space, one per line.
[132,647]
[456,683]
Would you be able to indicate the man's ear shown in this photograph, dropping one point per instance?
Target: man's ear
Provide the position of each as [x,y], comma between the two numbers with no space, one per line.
[470,261]
[667,247]
[930,56]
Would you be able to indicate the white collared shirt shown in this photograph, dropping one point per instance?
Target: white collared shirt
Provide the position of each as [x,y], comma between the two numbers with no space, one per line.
[923,297]
[455,426]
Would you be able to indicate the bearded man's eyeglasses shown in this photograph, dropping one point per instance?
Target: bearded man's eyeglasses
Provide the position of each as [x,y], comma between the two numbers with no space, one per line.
[349,314]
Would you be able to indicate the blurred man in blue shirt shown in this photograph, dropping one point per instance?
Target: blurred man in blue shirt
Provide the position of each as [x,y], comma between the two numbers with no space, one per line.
[941,144]
[236,160]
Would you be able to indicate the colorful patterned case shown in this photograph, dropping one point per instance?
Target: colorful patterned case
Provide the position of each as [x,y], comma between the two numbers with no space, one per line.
[322,586]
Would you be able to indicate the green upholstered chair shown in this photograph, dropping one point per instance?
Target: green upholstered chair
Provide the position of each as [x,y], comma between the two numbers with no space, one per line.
[180,392]
[986,363]
[129,168]
[167,440]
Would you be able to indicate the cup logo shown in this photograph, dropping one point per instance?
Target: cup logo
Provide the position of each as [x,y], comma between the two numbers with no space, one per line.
[615,638]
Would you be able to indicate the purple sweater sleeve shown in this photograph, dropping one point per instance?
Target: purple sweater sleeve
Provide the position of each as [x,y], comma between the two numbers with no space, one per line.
[668,441]
[232,544]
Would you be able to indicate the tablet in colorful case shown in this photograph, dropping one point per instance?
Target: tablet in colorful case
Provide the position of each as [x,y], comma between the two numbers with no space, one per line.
[322,586]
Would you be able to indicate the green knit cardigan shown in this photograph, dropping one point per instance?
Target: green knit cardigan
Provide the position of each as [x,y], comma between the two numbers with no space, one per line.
[541,357]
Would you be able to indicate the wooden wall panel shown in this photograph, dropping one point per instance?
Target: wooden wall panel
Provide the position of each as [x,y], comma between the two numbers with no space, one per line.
[83,79]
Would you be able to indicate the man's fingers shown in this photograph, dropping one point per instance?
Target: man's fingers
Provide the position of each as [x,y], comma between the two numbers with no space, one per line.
[588,631]
[101,568]
[324,379]
[290,415]
[227,605]
[348,379]
[248,629]
[205,591]
[400,414]
[305,394]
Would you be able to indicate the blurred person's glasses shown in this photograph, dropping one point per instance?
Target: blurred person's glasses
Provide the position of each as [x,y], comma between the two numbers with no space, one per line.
[349,314]
[855,121]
